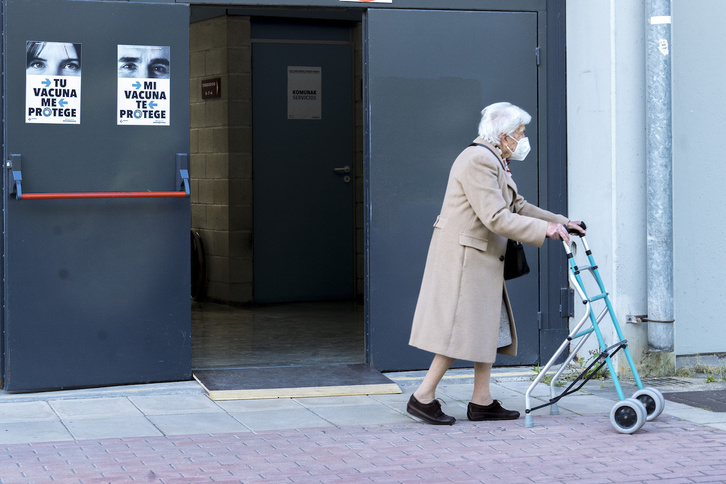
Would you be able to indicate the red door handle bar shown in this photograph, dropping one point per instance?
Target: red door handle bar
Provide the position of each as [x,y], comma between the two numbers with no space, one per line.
[15,181]
[56,196]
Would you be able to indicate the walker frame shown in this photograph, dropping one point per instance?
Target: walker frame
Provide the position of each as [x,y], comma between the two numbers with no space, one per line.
[629,414]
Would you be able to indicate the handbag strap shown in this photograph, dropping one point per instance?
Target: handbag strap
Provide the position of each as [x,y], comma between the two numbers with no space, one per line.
[484,146]
[498,157]
[495,155]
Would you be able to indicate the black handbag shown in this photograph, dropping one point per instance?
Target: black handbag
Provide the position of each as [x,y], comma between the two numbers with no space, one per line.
[515,262]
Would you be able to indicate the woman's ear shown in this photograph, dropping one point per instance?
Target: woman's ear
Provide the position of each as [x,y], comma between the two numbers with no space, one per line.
[503,145]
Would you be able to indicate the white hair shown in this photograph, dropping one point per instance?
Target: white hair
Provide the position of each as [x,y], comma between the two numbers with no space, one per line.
[501,118]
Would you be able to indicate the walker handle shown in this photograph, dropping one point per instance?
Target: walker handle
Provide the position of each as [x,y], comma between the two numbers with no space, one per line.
[573,231]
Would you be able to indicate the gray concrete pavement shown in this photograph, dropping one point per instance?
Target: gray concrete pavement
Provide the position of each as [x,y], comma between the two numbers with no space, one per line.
[173,432]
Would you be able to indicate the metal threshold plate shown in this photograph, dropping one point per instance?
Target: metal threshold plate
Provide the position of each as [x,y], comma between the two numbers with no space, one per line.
[713,400]
[294,382]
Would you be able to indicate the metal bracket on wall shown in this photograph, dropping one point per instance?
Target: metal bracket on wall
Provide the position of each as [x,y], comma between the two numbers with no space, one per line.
[15,179]
[567,302]
[643,318]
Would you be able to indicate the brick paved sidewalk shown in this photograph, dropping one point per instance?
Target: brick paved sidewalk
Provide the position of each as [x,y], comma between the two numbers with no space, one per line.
[557,449]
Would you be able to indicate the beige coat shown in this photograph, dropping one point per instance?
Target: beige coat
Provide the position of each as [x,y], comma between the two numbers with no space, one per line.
[459,305]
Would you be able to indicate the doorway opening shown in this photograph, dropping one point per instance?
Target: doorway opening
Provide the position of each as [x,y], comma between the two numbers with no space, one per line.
[280,334]
[277,188]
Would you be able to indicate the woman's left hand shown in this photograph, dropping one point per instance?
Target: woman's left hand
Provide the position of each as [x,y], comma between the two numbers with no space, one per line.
[576,226]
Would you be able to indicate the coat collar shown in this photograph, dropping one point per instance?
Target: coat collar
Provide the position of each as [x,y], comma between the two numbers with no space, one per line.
[495,150]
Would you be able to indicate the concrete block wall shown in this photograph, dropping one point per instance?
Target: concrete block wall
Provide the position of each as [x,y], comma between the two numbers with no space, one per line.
[221,155]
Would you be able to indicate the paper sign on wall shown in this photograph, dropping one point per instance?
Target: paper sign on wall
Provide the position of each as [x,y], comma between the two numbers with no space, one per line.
[304,98]
[144,74]
[52,83]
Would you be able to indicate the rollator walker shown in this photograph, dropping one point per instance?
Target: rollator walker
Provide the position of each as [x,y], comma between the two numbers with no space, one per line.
[629,414]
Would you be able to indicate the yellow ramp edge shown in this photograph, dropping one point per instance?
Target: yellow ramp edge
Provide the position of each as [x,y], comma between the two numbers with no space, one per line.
[301,392]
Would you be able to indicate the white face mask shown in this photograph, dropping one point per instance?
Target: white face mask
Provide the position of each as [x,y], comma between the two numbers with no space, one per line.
[521,151]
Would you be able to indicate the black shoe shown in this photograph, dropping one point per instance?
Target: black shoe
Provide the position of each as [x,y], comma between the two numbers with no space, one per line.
[429,412]
[495,411]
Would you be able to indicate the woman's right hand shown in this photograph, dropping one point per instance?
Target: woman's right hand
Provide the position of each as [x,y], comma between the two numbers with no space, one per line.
[557,232]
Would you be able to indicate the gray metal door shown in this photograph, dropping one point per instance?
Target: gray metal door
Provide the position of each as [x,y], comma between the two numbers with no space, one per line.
[429,74]
[96,289]
[303,165]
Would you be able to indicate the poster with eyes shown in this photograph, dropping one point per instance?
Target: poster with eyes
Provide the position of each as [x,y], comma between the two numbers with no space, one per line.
[52,82]
[144,76]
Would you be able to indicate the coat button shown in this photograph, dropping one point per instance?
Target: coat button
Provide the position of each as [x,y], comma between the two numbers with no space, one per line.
[501,258]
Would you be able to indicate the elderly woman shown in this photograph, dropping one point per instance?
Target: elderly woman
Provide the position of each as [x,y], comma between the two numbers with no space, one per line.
[463,311]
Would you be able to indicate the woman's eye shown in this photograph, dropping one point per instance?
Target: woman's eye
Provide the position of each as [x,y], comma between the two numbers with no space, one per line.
[71,66]
[36,64]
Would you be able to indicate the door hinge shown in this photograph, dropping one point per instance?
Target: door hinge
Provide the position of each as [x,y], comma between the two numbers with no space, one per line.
[567,302]
[536,54]
[539,320]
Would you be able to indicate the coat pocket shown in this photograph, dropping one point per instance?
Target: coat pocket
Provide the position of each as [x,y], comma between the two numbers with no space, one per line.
[469,241]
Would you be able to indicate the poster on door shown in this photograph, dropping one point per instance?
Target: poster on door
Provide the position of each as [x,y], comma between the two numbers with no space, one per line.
[52,83]
[144,76]
[304,97]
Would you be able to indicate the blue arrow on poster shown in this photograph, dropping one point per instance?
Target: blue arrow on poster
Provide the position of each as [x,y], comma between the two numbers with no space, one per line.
[54,100]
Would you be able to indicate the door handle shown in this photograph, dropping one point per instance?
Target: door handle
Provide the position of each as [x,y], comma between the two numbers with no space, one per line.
[342,170]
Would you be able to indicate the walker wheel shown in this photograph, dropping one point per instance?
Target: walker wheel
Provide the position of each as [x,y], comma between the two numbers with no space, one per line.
[652,400]
[628,416]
